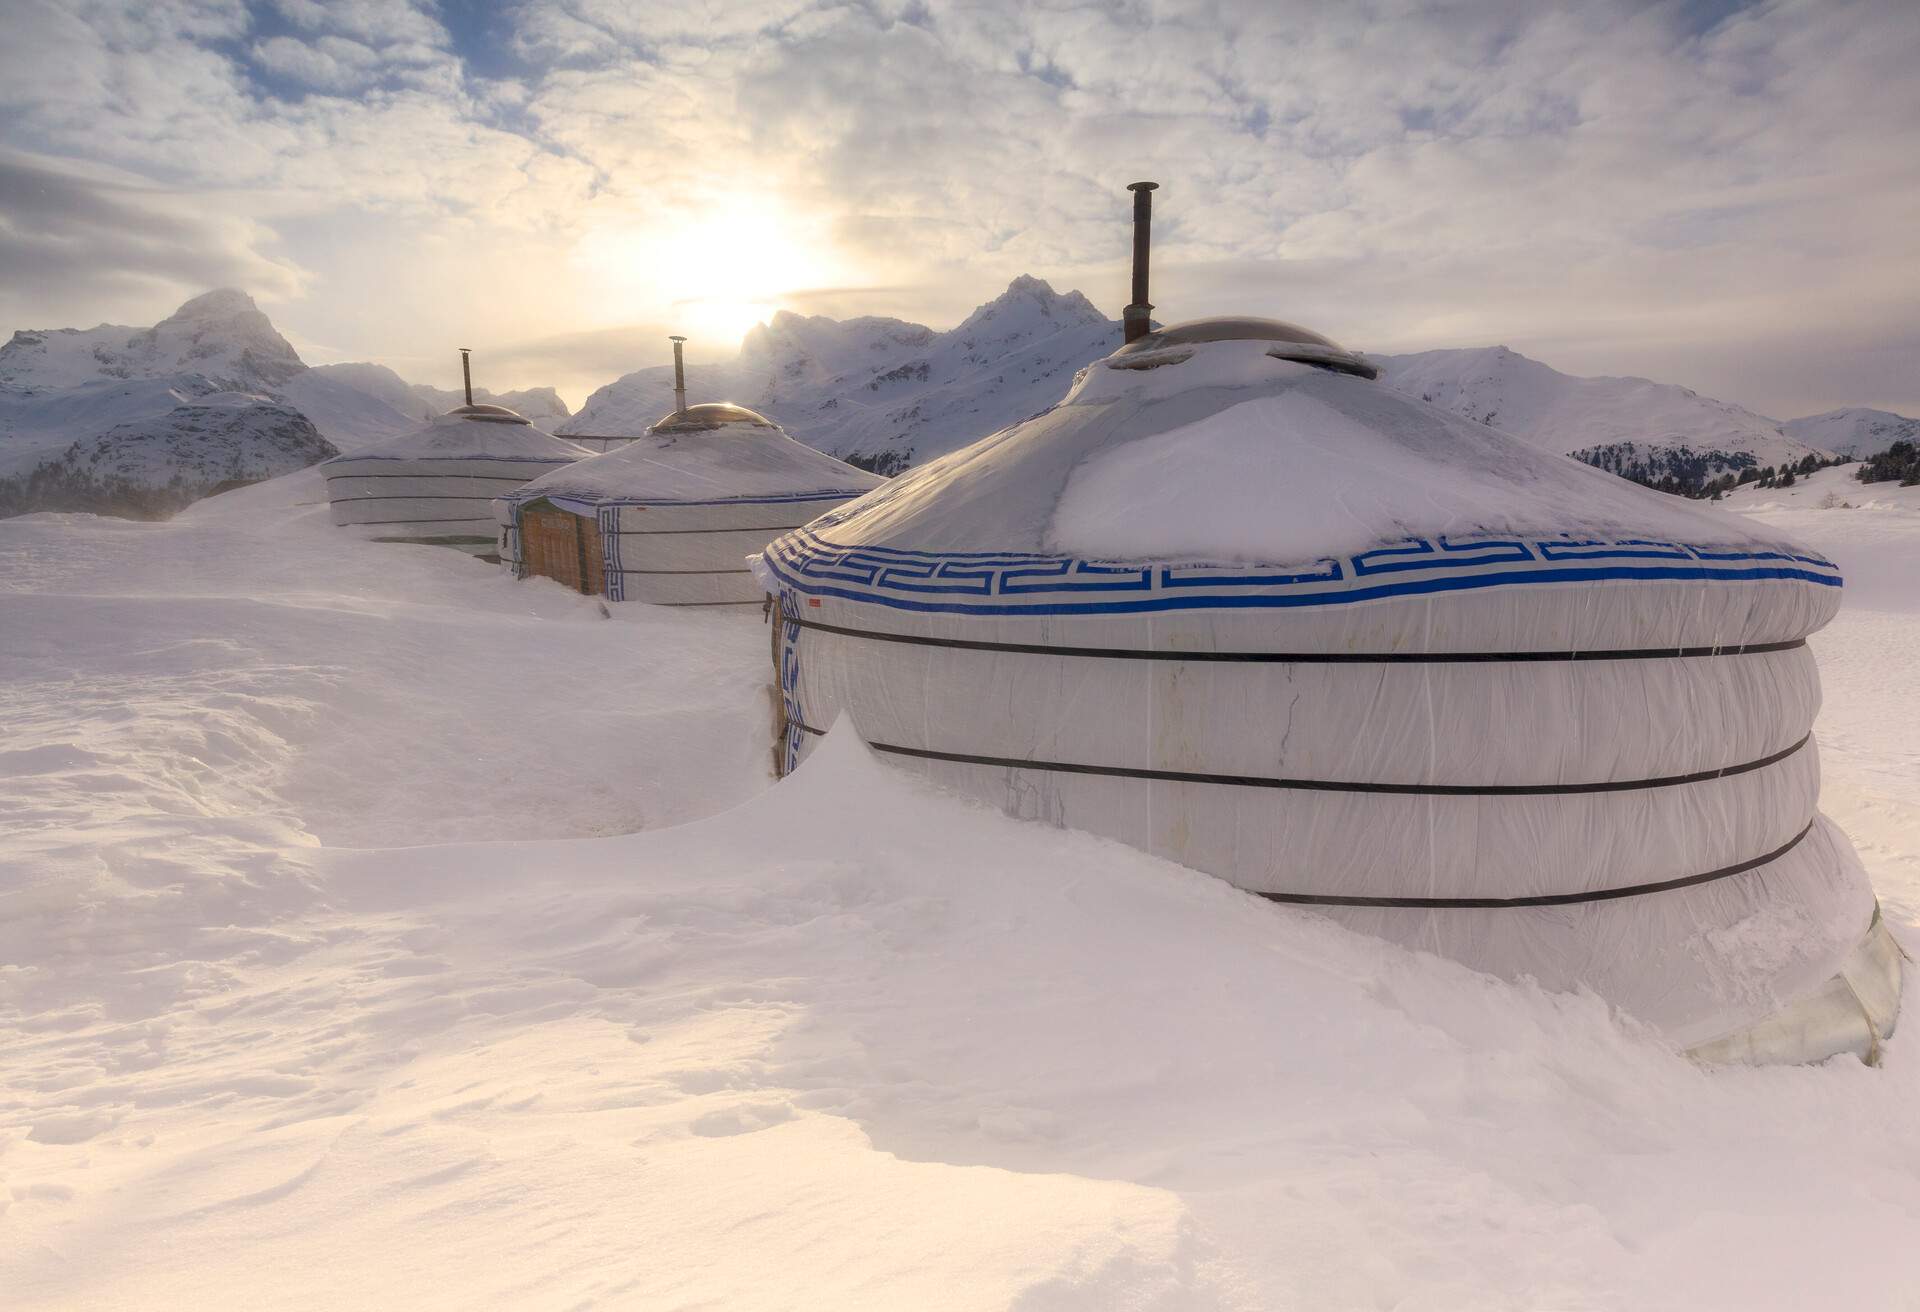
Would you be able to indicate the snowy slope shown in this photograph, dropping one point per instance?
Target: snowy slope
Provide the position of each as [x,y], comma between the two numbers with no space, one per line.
[381,933]
[36,425]
[879,391]
[1855,431]
[1836,487]
[1626,425]
[152,467]
[353,405]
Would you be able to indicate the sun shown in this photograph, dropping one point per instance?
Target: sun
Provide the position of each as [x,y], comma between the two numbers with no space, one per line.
[736,265]
[712,272]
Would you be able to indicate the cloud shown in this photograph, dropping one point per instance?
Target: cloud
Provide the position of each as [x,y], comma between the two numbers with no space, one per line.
[377,22]
[83,238]
[331,63]
[1716,193]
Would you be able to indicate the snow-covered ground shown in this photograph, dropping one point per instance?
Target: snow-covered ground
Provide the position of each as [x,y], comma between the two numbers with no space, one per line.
[377,932]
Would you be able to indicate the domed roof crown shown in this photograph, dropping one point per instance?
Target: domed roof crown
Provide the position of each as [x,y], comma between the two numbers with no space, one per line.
[488,414]
[709,416]
[1289,341]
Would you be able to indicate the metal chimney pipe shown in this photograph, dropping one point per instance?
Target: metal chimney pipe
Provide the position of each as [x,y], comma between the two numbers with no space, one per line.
[466,373]
[679,376]
[1135,319]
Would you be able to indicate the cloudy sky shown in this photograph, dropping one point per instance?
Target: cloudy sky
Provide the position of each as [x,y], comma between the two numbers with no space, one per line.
[1703,191]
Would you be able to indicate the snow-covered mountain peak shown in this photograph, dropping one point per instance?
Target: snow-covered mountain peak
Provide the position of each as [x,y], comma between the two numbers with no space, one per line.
[225,334]
[1028,307]
[220,334]
[220,303]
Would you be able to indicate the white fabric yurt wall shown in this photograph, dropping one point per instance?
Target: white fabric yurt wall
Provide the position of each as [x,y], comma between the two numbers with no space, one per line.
[679,510]
[1237,604]
[436,485]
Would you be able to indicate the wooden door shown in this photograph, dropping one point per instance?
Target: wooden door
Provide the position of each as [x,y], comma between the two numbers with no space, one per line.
[557,545]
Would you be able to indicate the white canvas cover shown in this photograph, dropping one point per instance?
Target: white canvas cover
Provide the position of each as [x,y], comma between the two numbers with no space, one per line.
[437,483]
[679,512]
[1349,651]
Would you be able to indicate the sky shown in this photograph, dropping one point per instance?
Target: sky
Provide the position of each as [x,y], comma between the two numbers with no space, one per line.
[1719,194]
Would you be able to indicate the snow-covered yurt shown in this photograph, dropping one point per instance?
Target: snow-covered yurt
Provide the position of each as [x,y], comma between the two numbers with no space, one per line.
[1236,603]
[671,516]
[436,484]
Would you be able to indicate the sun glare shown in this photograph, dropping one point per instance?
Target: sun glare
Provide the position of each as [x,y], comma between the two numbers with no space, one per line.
[713,274]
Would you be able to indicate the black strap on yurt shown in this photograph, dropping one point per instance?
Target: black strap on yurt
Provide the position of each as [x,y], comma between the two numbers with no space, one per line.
[378,523]
[423,496]
[515,479]
[1304,657]
[1439,903]
[1540,899]
[1336,785]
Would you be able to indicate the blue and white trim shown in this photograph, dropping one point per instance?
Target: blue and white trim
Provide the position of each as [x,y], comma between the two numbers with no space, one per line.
[1027,583]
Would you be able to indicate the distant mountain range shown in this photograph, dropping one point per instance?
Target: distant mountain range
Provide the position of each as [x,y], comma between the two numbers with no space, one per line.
[211,395]
[143,421]
[887,394]
[884,393]
[1640,429]
[1855,431]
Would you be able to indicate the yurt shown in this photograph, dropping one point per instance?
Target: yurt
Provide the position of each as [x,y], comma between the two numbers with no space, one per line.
[436,485]
[671,516]
[1235,602]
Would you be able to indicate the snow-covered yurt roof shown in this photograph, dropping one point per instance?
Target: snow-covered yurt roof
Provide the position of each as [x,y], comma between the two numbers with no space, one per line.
[489,432]
[1216,442]
[715,453]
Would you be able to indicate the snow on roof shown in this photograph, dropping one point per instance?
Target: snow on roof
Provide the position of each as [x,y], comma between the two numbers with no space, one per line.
[739,460]
[487,431]
[1225,453]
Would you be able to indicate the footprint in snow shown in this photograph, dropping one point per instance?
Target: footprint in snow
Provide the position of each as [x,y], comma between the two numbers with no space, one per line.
[71,1129]
[743,1119]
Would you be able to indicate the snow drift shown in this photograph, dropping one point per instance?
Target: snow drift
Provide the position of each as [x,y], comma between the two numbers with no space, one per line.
[379,932]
